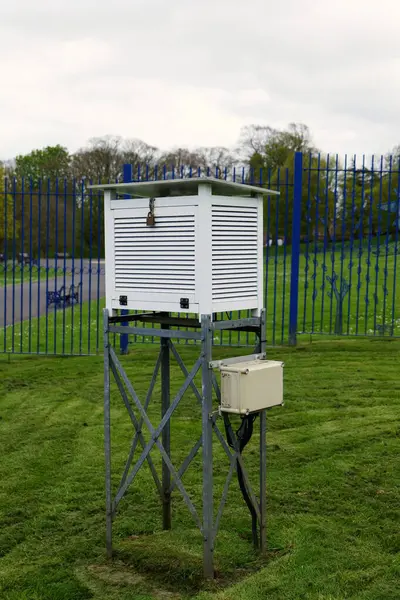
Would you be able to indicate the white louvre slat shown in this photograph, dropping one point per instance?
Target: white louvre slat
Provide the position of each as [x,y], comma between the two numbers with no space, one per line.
[232,295]
[237,253]
[163,235]
[233,226]
[234,252]
[233,279]
[156,271]
[149,252]
[155,259]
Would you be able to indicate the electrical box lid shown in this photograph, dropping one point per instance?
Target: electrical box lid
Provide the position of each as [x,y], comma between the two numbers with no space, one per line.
[251,366]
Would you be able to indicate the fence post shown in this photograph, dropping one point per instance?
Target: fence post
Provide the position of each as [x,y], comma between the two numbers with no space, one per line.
[127,176]
[295,266]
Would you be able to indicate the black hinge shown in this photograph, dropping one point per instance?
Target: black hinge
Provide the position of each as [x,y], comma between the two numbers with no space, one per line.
[185,303]
[123,300]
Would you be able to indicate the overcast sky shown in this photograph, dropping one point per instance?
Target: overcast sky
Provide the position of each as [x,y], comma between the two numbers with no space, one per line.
[191,72]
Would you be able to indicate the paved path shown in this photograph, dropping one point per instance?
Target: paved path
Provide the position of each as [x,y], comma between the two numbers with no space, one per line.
[24,301]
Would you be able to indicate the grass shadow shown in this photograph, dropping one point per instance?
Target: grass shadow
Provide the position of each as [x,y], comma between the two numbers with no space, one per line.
[169,563]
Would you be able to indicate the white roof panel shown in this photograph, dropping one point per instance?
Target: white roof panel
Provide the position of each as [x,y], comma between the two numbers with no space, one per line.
[183,187]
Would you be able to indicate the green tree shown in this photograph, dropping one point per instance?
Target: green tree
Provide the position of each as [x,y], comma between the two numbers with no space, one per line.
[51,163]
[263,146]
[270,155]
[370,197]
[7,227]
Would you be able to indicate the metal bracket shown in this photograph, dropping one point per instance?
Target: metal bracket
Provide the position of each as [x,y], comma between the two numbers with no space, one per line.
[184,303]
[217,364]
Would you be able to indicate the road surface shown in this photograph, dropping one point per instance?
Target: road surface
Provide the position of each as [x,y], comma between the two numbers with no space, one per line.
[25,300]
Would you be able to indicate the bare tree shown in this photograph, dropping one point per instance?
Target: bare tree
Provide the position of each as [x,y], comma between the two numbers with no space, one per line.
[217,159]
[179,158]
[100,160]
[253,140]
[140,155]
[103,158]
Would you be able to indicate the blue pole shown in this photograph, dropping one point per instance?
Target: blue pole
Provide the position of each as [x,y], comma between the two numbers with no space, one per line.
[294,277]
[123,340]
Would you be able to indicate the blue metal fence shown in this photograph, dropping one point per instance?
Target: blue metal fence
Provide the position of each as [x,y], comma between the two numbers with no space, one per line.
[349,246]
[331,246]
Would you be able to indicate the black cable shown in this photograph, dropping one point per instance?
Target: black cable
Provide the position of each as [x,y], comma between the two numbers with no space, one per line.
[243,436]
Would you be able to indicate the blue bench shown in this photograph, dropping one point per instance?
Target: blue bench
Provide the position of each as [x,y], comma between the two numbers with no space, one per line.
[60,298]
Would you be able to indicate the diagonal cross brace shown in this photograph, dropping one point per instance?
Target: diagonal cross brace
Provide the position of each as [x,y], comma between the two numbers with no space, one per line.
[139,429]
[139,436]
[224,496]
[187,461]
[154,432]
[200,399]
[233,457]
[155,435]
[218,433]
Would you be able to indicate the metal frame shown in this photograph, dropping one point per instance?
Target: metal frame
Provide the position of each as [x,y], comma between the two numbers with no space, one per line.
[171,477]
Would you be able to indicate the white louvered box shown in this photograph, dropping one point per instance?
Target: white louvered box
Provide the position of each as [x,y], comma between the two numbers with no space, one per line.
[203,255]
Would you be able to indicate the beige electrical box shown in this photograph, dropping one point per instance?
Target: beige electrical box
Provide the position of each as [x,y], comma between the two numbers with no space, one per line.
[251,386]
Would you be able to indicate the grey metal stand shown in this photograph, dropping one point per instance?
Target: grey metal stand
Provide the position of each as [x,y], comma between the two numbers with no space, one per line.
[166,434]
[171,477]
[263,450]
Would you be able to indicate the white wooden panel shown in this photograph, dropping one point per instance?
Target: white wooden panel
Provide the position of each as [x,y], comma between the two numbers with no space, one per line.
[204,250]
[231,304]
[109,247]
[235,251]
[155,264]
[260,265]
[151,302]
[163,202]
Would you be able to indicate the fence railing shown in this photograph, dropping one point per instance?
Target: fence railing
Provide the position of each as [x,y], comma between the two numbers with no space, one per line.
[349,247]
[331,247]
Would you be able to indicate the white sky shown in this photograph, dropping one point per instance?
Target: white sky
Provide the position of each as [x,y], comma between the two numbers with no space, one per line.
[193,72]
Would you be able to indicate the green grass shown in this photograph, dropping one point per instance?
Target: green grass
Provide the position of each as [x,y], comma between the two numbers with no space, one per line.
[15,275]
[333,485]
[72,330]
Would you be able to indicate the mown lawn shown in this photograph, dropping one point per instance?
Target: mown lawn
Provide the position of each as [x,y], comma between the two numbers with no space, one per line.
[17,274]
[333,485]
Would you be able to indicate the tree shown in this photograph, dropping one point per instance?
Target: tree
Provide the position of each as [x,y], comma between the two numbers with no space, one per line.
[269,153]
[100,160]
[370,198]
[103,158]
[51,163]
[264,146]
[205,160]
[140,155]
[392,158]
[177,162]
[7,226]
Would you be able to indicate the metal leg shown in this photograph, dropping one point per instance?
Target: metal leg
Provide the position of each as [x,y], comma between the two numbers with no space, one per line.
[208,547]
[263,451]
[107,436]
[166,432]
[263,480]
